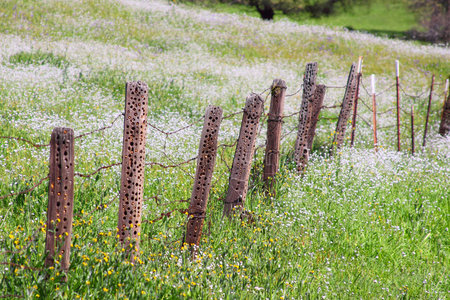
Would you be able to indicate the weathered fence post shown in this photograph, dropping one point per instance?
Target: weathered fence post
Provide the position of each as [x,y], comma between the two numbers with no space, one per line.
[412,130]
[319,95]
[347,104]
[133,162]
[205,167]
[355,106]
[374,109]
[301,153]
[397,84]
[60,197]
[444,127]
[428,112]
[274,122]
[240,170]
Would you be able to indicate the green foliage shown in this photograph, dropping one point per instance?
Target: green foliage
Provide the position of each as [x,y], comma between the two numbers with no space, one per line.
[39,58]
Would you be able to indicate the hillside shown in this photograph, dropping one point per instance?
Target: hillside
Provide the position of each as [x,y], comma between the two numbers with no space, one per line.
[358,224]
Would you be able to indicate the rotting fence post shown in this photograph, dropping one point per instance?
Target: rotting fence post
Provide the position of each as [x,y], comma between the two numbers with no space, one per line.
[397,84]
[355,106]
[133,162]
[301,152]
[347,104]
[240,170]
[319,95]
[374,110]
[274,123]
[205,167]
[428,112]
[60,197]
[444,127]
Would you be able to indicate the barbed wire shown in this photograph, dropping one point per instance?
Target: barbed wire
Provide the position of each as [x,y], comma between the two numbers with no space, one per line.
[167,133]
[25,141]
[27,190]
[100,129]
[153,163]
[96,171]
[166,214]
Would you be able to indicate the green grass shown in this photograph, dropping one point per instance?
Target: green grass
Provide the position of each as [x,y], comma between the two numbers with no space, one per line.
[356,225]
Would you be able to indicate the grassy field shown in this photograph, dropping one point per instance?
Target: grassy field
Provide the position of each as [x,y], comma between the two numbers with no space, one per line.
[359,224]
[381,17]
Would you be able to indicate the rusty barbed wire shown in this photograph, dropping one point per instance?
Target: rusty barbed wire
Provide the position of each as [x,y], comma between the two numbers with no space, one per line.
[100,129]
[25,141]
[166,214]
[20,266]
[27,190]
[153,163]
[232,114]
[87,215]
[167,133]
[410,95]
[156,198]
[96,171]
[335,86]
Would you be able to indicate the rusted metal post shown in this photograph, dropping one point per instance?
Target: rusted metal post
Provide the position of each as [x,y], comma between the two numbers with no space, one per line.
[301,153]
[205,167]
[240,170]
[347,104]
[428,112]
[374,109]
[60,197]
[397,84]
[355,106]
[412,130]
[274,122]
[319,95]
[444,127]
[133,162]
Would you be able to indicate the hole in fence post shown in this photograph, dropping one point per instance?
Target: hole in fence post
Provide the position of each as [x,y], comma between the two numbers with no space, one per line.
[347,104]
[60,198]
[444,127]
[355,105]
[301,153]
[274,123]
[207,152]
[133,162]
[240,170]
[317,103]
[428,112]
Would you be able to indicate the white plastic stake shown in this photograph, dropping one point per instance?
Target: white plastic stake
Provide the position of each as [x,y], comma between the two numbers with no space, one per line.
[372,77]
[397,68]
[359,70]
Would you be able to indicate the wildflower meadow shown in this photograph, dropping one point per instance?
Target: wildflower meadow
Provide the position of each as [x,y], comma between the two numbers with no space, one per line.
[358,223]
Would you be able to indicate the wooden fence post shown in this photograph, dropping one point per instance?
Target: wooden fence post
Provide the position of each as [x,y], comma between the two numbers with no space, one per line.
[374,110]
[319,95]
[301,152]
[428,112]
[444,127]
[355,106]
[397,84]
[133,162]
[60,197]
[205,167]
[347,104]
[240,170]
[274,122]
